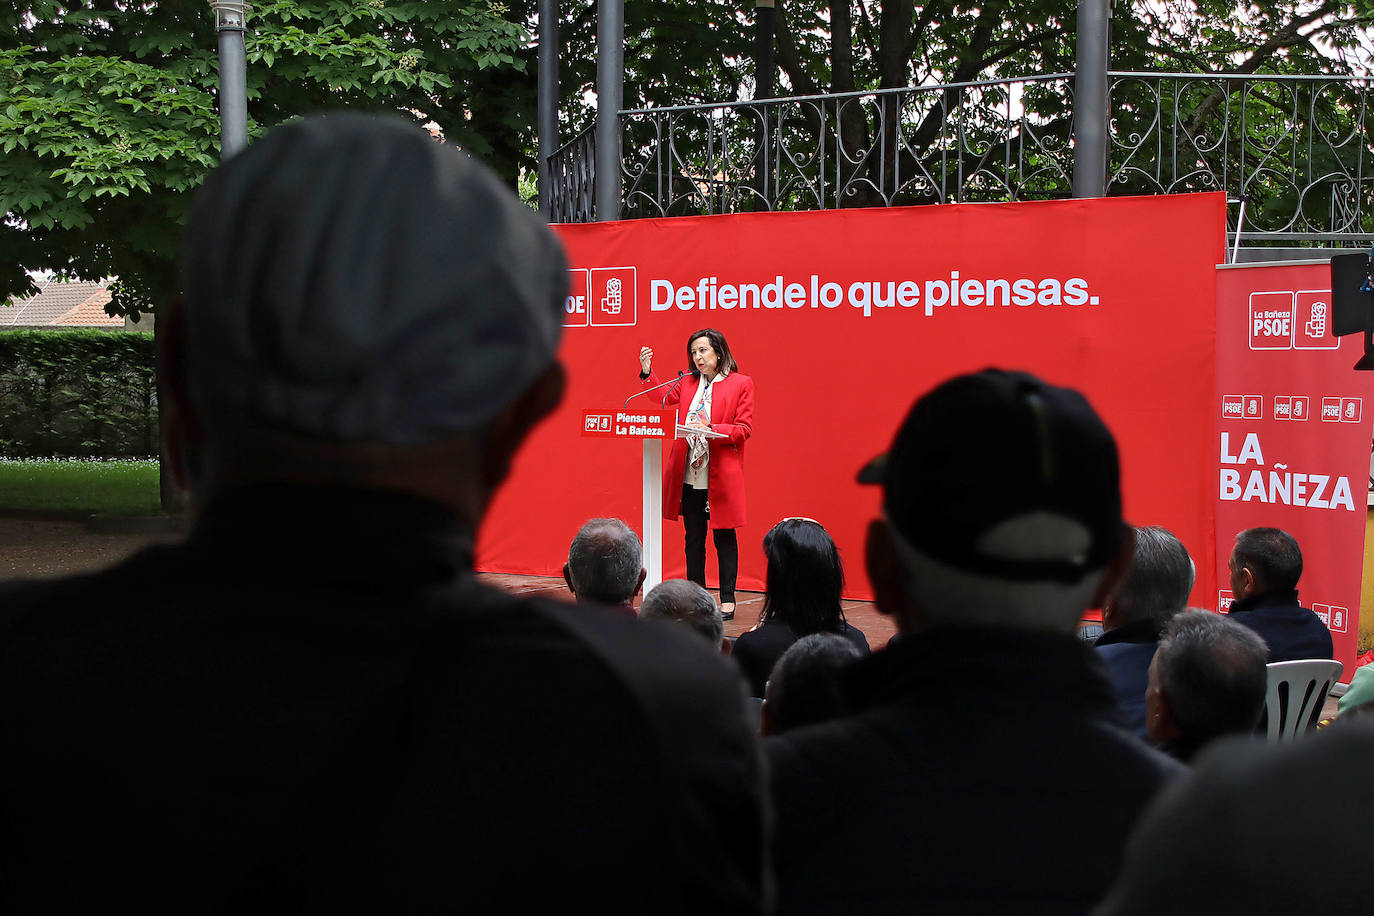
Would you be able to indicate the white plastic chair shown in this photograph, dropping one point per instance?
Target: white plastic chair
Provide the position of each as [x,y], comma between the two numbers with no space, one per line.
[1297,690]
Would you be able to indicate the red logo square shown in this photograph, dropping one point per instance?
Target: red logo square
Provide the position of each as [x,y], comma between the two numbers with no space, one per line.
[1299,408]
[1271,321]
[1324,612]
[1283,408]
[1331,410]
[1225,598]
[1254,407]
[575,311]
[1232,406]
[1350,410]
[1312,320]
[612,296]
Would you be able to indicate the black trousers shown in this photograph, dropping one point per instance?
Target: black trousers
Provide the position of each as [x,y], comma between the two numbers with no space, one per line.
[695,510]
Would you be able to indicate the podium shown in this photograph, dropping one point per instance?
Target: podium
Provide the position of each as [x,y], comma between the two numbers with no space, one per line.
[651,426]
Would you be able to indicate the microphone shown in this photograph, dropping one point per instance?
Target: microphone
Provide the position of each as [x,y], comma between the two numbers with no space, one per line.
[671,381]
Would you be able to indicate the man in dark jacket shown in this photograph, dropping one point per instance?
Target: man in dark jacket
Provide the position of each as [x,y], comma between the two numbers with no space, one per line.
[982,771]
[1154,589]
[1266,565]
[312,706]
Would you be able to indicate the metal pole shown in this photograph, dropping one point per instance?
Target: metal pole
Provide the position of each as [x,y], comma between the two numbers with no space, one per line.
[763,89]
[230,22]
[610,94]
[1090,99]
[548,100]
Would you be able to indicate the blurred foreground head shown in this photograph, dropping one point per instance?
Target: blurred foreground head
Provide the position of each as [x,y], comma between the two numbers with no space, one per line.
[361,306]
[1001,508]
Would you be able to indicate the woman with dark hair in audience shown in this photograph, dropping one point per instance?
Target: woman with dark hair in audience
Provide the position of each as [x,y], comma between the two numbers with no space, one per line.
[804,584]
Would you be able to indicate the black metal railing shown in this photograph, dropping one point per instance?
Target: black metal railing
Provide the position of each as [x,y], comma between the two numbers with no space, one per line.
[1296,150]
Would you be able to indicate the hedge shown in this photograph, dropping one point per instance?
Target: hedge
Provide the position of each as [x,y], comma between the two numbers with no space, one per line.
[77,393]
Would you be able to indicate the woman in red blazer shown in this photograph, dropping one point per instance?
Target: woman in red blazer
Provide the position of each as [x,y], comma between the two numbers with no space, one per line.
[703,479]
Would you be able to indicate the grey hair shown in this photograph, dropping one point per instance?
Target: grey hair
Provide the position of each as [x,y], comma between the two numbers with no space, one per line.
[1213,672]
[604,561]
[1159,580]
[681,601]
[951,597]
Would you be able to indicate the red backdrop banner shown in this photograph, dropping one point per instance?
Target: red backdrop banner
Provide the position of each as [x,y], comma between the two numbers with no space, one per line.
[844,317]
[1293,435]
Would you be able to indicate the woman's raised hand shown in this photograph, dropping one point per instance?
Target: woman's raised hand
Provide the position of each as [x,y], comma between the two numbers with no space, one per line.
[646,356]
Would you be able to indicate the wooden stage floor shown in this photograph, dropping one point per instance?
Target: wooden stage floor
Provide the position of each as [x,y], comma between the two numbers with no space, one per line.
[862,614]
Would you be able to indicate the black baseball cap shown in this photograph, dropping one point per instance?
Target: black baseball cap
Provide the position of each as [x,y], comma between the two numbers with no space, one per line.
[984,450]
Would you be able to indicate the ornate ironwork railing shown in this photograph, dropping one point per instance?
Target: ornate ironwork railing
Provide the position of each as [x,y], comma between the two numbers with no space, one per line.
[991,140]
[1296,149]
[572,174]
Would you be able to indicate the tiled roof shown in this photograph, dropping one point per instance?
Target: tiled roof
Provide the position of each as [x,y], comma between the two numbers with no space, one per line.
[80,303]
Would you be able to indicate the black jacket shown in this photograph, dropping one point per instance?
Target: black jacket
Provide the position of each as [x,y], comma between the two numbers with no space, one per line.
[1291,630]
[313,706]
[983,775]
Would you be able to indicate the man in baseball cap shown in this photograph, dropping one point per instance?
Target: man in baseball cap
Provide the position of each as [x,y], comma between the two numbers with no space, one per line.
[312,706]
[983,770]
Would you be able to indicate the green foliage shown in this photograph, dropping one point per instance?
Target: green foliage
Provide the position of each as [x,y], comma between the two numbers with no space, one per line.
[119,487]
[108,119]
[77,393]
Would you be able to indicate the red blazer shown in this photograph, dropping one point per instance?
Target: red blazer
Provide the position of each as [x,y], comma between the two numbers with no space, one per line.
[732,413]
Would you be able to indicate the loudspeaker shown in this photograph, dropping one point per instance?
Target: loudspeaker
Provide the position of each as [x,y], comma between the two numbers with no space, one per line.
[1352,312]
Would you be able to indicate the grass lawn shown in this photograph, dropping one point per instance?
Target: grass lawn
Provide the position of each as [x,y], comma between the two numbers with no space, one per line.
[122,487]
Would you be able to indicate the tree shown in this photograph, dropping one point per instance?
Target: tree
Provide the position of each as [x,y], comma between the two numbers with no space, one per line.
[108,121]
[837,46]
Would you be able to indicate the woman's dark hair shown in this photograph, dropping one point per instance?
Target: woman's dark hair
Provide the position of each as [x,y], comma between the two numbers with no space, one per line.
[805,578]
[725,361]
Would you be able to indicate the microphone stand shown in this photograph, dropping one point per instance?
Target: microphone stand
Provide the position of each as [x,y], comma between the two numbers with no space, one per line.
[671,381]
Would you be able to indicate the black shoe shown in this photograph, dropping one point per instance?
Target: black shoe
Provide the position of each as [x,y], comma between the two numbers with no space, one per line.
[730,614]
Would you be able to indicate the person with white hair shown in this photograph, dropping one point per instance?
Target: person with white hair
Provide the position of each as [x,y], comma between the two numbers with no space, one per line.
[979,769]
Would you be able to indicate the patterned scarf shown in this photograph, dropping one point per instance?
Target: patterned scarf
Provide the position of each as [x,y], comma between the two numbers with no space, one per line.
[700,410]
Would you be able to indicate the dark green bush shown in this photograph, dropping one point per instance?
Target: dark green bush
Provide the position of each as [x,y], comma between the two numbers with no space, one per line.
[77,393]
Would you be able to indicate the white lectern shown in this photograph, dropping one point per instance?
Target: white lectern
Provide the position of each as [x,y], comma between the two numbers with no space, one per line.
[651,426]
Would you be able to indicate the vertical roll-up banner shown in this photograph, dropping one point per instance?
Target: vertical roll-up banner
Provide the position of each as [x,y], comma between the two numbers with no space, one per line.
[1293,435]
[843,317]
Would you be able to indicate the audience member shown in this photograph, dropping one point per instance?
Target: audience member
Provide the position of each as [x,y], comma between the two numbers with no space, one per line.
[312,705]
[1207,680]
[802,590]
[805,687]
[980,770]
[1265,567]
[605,564]
[1265,829]
[690,605]
[1154,589]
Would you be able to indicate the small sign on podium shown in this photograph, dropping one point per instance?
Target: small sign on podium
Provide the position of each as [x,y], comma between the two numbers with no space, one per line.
[619,423]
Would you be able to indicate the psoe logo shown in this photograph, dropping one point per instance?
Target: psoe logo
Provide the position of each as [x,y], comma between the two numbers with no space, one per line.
[575,311]
[1331,410]
[1271,321]
[1283,407]
[1254,409]
[612,293]
[1225,598]
[597,423]
[1299,408]
[1351,409]
[1336,618]
[1312,320]
[1232,406]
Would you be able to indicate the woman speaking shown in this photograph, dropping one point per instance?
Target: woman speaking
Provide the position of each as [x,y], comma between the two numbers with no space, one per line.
[703,479]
